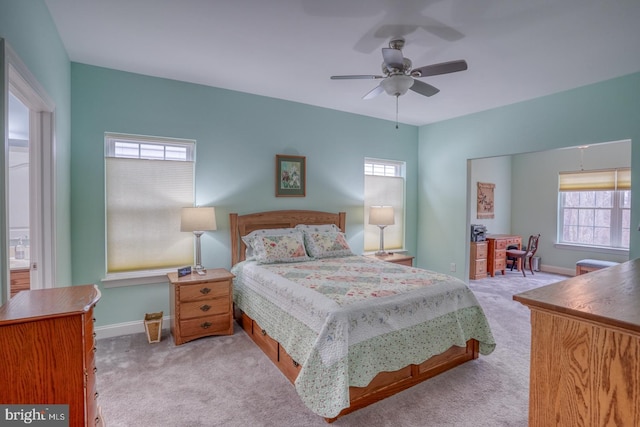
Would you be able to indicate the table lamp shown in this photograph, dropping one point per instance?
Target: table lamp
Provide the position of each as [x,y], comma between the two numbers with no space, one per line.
[198,220]
[381,216]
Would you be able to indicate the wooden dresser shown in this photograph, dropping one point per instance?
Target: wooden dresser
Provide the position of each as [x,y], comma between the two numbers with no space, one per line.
[201,305]
[497,251]
[478,260]
[585,349]
[47,347]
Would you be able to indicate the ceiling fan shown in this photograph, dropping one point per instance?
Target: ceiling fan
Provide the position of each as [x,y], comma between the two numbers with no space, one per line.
[398,76]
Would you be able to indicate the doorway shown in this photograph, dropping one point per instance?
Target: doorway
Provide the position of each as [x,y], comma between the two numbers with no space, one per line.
[28,220]
[18,193]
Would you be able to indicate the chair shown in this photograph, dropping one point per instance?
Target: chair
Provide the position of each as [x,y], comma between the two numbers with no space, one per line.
[521,256]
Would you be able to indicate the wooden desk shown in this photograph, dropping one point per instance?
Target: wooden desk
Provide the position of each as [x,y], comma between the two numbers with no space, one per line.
[585,349]
[497,251]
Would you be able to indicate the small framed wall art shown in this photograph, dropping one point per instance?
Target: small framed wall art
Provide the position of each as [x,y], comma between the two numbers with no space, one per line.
[485,200]
[291,172]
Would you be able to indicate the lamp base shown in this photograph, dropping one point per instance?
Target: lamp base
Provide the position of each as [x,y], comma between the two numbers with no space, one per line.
[382,254]
[200,270]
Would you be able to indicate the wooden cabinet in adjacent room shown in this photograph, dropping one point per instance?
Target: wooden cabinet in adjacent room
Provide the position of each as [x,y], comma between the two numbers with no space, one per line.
[497,251]
[478,259]
[47,346]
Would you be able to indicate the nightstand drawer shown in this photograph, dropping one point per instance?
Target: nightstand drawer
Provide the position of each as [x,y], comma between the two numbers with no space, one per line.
[205,325]
[189,310]
[203,291]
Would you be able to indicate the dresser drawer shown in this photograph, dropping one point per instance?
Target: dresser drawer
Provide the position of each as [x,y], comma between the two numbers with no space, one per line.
[501,244]
[480,267]
[189,310]
[204,291]
[481,251]
[206,325]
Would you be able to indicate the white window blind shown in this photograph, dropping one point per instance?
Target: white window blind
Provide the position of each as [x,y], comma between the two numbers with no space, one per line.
[384,186]
[148,182]
[595,208]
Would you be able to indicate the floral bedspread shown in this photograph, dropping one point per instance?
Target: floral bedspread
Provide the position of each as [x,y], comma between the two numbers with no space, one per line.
[346,319]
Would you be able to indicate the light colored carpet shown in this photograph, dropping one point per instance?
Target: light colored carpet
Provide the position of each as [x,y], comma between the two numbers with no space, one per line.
[228,381]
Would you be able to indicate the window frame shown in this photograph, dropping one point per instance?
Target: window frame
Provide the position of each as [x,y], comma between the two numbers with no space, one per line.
[392,169]
[616,210]
[152,275]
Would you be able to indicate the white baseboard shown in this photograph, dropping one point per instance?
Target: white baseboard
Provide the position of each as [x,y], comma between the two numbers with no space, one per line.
[126,328]
[558,270]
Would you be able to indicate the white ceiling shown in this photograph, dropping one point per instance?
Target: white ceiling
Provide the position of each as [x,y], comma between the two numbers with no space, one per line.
[516,49]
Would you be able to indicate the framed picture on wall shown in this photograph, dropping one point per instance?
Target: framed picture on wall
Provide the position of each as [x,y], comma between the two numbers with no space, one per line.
[485,200]
[291,172]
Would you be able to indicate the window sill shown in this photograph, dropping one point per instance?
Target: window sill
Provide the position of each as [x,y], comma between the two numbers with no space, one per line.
[148,277]
[596,249]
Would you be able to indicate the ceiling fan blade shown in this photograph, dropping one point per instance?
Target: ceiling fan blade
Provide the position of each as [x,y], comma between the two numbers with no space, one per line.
[441,68]
[424,88]
[356,76]
[392,58]
[374,92]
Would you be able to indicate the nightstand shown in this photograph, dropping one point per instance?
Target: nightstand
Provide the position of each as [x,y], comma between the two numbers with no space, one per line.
[396,258]
[201,305]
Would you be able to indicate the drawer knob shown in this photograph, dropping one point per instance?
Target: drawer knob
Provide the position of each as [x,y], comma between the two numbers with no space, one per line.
[95,396]
[206,325]
[97,420]
[295,364]
[205,291]
[205,307]
[263,332]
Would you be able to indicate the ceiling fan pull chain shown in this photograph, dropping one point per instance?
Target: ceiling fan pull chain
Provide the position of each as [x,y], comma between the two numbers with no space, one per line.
[397,111]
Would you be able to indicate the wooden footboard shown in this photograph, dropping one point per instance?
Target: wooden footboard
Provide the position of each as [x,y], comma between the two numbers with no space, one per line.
[383,385]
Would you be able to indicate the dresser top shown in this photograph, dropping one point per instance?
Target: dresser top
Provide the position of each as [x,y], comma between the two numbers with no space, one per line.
[52,302]
[211,275]
[610,296]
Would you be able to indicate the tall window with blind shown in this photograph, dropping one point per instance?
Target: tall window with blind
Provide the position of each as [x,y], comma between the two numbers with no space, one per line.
[148,182]
[384,185]
[595,208]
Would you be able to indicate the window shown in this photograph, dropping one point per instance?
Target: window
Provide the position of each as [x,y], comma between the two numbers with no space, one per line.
[595,208]
[148,182]
[384,182]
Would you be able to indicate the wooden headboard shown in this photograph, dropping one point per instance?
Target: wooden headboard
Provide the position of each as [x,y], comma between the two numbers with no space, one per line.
[241,225]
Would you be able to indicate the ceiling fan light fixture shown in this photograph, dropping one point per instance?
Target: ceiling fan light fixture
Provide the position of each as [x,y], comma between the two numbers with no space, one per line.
[397,85]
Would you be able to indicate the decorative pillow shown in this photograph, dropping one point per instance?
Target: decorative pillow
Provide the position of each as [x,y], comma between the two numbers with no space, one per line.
[322,228]
[274,248]
[248,239]
[326,244]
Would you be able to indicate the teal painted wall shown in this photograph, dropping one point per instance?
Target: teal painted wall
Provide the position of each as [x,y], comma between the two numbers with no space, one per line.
[238,136]
[28,28]
[602,112]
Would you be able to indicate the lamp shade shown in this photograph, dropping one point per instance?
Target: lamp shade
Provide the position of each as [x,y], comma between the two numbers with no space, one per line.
[198,219]
[381,215]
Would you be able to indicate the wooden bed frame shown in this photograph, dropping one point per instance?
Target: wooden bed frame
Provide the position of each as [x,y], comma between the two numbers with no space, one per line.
[385,384]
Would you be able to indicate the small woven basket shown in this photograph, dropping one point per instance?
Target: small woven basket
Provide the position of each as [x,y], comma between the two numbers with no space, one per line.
[153,326]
